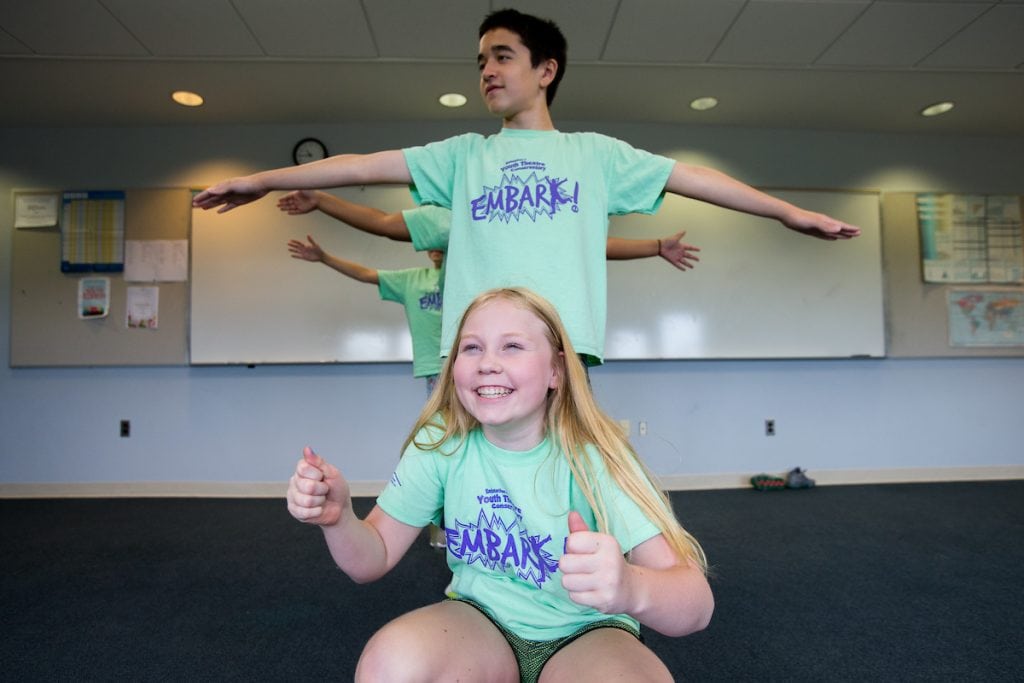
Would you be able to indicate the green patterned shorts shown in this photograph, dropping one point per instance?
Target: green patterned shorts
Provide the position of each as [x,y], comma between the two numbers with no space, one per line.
[532,655]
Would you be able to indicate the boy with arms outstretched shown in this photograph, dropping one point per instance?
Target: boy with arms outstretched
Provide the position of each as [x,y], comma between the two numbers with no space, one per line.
[530,205]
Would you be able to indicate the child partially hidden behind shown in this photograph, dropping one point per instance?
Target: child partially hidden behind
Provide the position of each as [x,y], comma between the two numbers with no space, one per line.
[559,543]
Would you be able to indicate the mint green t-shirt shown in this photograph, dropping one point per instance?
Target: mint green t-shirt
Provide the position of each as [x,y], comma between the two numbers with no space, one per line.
[506,520]
[530,208]
[419,292]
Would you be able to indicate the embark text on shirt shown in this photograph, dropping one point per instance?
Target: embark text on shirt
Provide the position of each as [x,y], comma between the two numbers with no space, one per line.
[532,196]
[499,545]
[430,301]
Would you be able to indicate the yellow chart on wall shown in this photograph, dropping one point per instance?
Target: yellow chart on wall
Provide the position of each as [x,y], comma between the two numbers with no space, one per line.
[92,232]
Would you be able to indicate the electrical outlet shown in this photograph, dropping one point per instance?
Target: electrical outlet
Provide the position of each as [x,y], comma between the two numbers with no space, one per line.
[769,427]
[625,427]
[126,428]
[642,426]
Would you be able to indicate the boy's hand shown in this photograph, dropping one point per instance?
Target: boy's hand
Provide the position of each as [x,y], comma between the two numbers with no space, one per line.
[306,252]
[229,194]
[672,249]
[819,225]
[317,492]
[593,569]
[299,202]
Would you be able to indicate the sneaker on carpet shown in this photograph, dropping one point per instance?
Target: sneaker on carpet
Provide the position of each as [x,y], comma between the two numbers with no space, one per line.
[797,478]
[767,482]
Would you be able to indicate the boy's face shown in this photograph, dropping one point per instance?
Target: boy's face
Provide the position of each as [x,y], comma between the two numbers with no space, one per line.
[509,84]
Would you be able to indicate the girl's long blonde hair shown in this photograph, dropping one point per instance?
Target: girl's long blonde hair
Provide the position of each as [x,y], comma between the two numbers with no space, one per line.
[572,416]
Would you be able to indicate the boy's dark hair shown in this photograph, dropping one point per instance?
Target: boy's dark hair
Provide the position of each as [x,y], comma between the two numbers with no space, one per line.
[542,38]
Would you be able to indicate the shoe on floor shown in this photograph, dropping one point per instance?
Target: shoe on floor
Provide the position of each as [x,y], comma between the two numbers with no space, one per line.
[796,478]
[767,482]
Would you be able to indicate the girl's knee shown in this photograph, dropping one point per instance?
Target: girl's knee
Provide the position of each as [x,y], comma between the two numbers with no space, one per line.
[447,641]
[395,653]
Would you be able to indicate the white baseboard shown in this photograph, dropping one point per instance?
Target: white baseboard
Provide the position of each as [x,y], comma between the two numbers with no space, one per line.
[908,475]
[169,489]
[680,482]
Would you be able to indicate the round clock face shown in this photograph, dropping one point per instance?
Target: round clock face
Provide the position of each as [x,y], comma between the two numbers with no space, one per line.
[309,149]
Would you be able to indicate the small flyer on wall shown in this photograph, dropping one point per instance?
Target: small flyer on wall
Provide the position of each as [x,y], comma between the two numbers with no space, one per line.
[36,210]
[156,260]
[143,307]
[93,297]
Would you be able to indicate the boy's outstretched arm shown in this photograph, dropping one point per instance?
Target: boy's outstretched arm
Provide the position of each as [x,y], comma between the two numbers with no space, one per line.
[314,253]
[363,549]
[672,248]
[359,216]
[715,187]
[337,171]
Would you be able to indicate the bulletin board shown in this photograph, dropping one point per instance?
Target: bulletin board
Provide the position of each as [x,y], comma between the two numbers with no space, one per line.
[45,327]
[917,312]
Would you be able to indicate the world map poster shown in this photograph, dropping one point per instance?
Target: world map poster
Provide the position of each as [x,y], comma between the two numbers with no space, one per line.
[986,317]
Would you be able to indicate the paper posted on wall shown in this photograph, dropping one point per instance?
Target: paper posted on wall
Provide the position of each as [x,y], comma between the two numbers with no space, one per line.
[93,297]
[143,307]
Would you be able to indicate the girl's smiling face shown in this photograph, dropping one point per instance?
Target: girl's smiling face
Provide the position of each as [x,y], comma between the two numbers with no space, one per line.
[503,371]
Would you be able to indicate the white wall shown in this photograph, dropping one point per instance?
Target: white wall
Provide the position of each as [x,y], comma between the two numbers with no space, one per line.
[214,429]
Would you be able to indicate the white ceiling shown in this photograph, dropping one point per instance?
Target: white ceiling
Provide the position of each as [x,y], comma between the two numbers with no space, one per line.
[862,65]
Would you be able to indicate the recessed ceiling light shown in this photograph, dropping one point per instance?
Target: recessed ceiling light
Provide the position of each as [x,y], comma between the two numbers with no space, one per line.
[186,98]
[704,103]
[937,108]
[452,99]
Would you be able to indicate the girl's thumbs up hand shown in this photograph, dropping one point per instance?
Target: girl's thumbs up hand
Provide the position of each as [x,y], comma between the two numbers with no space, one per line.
[593,568]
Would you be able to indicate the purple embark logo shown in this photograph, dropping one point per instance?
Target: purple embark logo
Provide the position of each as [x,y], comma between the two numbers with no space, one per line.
[524,190]
[430,301]
[500,546]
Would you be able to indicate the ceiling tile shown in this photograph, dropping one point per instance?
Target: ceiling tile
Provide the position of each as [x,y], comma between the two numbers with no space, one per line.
[585,23]
[669,30]
[785,32]
[309,28]
[643,86]
[899,33]
[995,40]
[57,27]
[187,28]
[429,29]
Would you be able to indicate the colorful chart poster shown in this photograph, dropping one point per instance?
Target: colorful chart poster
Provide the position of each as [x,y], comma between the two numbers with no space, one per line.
[971,238]
[1005,243]
[92,232]
[986,317]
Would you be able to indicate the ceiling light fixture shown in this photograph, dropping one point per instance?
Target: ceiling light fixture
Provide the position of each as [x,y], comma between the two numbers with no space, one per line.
[936,109]
[452,99]
[704,103]
[186,98]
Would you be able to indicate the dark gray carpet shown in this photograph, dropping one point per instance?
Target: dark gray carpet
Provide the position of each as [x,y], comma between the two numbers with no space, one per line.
[894,582]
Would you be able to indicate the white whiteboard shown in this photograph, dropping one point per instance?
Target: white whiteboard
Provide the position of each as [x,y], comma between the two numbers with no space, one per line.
[760,290]
[252,303]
